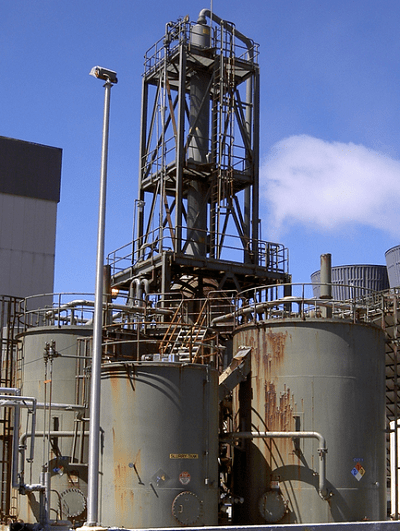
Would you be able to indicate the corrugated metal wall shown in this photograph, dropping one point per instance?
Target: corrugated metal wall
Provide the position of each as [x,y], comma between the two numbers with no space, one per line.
[393,266]
[348,280]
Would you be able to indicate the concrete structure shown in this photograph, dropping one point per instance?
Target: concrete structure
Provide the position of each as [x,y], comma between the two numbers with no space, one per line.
[30,177]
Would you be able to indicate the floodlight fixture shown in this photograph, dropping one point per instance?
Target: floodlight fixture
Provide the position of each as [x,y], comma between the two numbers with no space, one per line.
[104,73]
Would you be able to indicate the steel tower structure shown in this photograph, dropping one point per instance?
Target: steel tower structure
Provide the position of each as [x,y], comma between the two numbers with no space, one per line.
[197,213]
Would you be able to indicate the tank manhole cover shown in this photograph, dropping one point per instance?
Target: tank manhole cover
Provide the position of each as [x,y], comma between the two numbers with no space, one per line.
[272,506]
[186,508]
[73,502]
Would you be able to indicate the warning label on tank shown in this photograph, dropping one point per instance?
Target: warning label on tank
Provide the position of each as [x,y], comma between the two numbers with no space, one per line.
[358,471]
[183,456]
[184,478]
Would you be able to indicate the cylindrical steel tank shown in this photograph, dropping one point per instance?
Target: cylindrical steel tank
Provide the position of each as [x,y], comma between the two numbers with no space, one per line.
[160,445]
[348,280]
[392,257]
[61,386]
[312,375]
[200,35]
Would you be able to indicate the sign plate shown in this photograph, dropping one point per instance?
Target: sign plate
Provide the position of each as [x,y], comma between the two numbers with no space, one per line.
[183,456]
[184,478]
[358,471]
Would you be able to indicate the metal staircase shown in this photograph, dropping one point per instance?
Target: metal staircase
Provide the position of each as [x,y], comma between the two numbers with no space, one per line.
[183,338]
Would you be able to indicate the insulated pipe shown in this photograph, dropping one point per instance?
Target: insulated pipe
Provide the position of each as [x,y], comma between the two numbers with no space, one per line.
[138,284]
[261,306]
[16,402]
[257,308]
[14,474]
[322,450]
[198,149]
[326,276]
[12,390]
[207,13]
[61,407]
[131,296]
[136,289]
[22,445]
[326,281]
[146,285]
[90,304]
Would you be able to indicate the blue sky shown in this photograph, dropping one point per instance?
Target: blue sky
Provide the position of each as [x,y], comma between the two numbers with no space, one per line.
[330,118]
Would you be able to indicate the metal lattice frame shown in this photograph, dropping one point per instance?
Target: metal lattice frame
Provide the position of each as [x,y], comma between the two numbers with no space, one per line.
[199,162]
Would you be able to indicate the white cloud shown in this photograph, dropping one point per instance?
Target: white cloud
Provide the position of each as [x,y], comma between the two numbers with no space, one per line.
[329,185]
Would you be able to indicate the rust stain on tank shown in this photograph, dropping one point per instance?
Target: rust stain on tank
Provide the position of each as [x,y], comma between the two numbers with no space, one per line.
[124,499]
[126,460]
[267,358]
[276,345]
[279,416]
[125,476]
[279,410]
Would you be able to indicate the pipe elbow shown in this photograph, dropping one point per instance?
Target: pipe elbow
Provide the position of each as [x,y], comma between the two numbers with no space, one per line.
[202,18]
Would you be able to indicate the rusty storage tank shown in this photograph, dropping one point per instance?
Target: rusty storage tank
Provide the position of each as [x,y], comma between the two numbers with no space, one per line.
[160,444]
[318,375]
[392,257]
[348,280]
[66,455]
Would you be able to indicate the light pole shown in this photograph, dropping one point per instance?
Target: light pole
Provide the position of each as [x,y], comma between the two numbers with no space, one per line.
[110,78]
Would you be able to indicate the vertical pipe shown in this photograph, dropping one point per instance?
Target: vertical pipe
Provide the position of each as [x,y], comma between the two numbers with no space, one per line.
[326,282]
[395,404]
[256,162]
[14,475]
[287,292]
[47,492]
[107,293]
[326,276]
[140,217]
[163,145]
[247,192]
[199,118]
[94,426]
[142,154]
[180,146]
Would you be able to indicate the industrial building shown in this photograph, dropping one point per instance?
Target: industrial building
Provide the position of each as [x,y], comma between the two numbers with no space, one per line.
[30,176]
[230,397]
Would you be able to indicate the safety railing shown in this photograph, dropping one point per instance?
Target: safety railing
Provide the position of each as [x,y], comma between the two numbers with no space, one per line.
[273,256]
[56,309]
[297,301]
[222,41]
[175,32]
